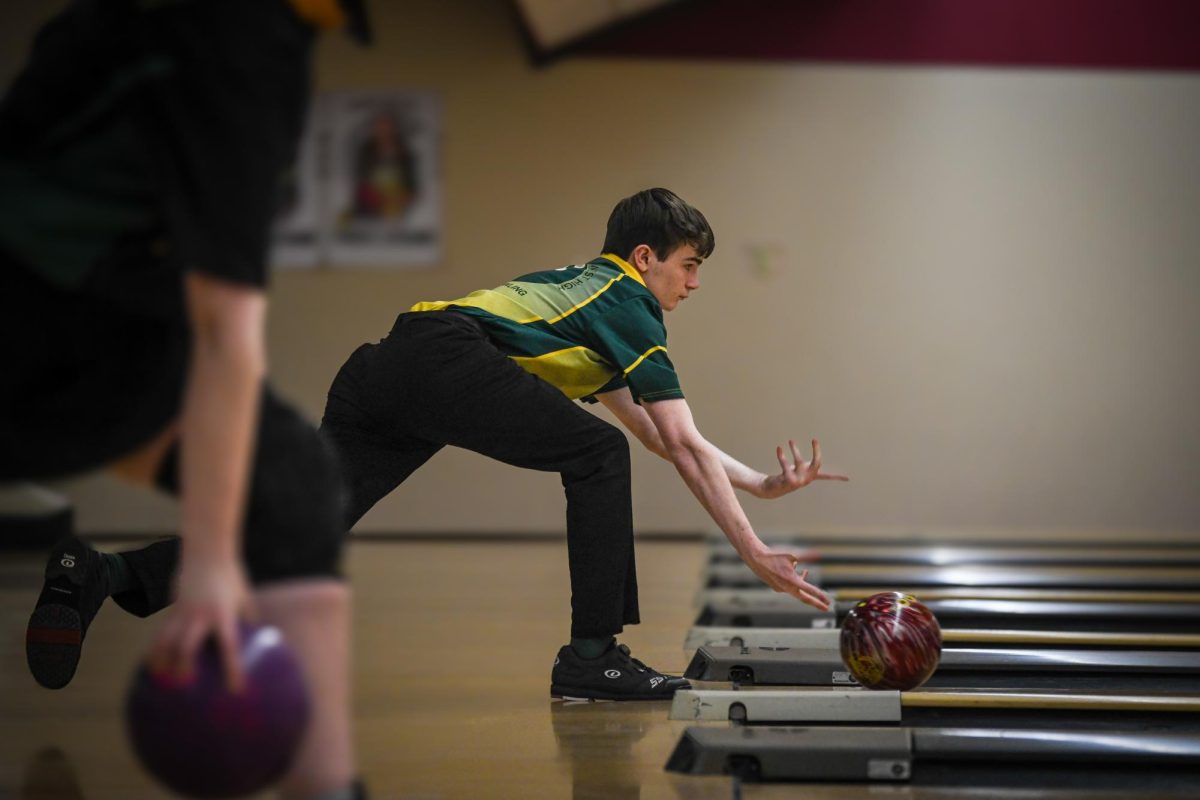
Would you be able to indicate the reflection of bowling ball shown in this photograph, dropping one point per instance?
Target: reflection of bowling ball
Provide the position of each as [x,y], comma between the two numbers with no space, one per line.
[891,641]
[203,741]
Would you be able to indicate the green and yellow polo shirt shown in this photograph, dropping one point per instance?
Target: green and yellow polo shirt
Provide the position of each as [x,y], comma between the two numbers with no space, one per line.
[586,329]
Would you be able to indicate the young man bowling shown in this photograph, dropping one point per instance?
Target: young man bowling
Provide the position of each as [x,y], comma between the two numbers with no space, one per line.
[497,372]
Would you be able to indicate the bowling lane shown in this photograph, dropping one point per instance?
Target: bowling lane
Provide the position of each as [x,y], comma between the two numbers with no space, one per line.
[954,555]
[1042,661]
[1111,576]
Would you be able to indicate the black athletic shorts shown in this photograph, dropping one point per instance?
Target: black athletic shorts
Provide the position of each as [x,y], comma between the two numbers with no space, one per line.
[82,381]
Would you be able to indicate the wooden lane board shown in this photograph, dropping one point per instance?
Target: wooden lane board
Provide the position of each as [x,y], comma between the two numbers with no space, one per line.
[832,576]
[1019,539]
[1081,554]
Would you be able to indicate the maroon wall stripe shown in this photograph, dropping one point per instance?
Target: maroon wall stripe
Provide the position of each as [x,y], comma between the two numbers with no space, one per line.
[1116,34]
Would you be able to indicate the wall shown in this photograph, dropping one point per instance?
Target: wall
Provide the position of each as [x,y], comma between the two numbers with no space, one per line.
[977,287]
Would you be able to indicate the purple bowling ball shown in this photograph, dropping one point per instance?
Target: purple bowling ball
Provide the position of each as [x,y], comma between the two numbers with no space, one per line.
[201,740]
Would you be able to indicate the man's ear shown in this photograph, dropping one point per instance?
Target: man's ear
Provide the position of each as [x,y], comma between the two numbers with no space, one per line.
[640,257]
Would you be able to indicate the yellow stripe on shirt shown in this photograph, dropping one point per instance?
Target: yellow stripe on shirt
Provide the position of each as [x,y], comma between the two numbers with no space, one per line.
[580,305]
[642,358]
[499,302]
[576,371]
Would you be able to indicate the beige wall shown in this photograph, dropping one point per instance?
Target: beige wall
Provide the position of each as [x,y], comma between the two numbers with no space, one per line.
[977,287]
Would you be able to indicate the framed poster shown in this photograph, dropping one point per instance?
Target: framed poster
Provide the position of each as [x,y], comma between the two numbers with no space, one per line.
[384,187]
[368,186]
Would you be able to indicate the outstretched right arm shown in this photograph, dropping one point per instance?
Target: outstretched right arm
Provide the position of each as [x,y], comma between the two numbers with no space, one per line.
[700,465]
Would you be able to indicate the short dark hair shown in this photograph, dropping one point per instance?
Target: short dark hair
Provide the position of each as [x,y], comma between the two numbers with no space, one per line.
[660,219]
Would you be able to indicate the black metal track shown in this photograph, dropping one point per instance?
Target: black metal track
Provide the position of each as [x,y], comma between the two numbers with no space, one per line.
[1066,669]
[1143,762]
[1000,614]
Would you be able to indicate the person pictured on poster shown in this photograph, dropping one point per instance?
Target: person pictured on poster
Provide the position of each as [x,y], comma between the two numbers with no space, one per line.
[385,179]
[368,186]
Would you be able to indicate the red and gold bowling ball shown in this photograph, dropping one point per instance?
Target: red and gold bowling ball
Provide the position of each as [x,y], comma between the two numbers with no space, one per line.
[891,640]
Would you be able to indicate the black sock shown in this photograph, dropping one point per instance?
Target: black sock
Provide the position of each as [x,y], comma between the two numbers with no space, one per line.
[590,648]
[120,577]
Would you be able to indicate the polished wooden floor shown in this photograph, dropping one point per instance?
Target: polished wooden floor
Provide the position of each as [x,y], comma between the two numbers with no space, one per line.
[454,643]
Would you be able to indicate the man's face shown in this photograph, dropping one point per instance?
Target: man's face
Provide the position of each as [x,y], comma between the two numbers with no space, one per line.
[672,279]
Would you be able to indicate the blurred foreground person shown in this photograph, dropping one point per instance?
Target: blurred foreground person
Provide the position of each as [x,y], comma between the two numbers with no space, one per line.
[142,152]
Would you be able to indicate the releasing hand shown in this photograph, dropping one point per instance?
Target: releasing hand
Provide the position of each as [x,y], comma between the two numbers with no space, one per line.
[795,474]
[211,596]
[777,569]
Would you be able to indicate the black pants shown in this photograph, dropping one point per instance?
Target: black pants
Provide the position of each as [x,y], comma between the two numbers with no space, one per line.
[437,380]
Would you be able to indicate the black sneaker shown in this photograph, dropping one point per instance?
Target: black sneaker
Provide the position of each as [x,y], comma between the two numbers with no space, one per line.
[613,675]
[75,588]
